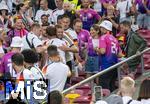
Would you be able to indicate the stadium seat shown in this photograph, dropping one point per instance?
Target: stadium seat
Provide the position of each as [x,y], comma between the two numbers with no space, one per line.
[106,92]
[82,100]
[75,80]
[82,74]
[77,91]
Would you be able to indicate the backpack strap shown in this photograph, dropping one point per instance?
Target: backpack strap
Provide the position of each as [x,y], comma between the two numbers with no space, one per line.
[31,45]
[38,71]
[21,77]
[44,69]
[129,101]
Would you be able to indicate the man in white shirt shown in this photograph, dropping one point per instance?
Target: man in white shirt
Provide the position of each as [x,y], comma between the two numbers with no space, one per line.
[51,32]
[127,89]
[44,10]
[32,41]
[56,71]
[66,26]
[58,11]
[123,8]
[70,48]
[22,73]
[30,58]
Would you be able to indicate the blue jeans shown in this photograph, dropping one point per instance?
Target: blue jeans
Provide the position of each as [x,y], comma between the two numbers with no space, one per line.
[92,64]
[143,20]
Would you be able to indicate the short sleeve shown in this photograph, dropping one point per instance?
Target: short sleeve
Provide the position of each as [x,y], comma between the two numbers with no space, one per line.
[37,18]
[28,75]
[87,36]
[1,50]
[96,15]
[102,42]
[37,42]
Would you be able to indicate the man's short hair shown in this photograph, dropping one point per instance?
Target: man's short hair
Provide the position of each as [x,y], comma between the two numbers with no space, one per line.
[58,26]
[30,56]
[45,1]
[59,17]
[35,25]
[45,15]
[17,59]
[65,16]
[77,20]
[55,97]
[52,50]
[51,31]
[127,84]
[126,23]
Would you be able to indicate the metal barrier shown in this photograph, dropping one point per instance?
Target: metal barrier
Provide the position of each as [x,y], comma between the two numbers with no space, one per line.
[109,69]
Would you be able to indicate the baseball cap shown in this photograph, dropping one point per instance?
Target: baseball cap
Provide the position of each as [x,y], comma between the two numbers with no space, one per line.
[106,24]
[16,42]
[114,99]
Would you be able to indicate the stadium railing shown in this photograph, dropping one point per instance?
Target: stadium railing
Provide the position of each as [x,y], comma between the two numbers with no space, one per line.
[90,79]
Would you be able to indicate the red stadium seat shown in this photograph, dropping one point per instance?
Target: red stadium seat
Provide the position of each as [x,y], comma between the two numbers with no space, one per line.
[85,86]
[77,91]
[82,100]
[75,80]
[82,74]
[106,92]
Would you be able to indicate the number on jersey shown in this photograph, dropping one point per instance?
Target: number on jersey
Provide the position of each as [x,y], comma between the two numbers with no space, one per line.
[113,47]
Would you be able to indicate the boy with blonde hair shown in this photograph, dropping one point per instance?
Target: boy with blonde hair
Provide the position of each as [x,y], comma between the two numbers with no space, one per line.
[127,89]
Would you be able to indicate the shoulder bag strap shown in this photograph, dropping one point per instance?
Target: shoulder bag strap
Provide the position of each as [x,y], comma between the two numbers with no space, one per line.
[30,45]
[129,101]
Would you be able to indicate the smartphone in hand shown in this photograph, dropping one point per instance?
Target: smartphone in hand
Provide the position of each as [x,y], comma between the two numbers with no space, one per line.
[98,93]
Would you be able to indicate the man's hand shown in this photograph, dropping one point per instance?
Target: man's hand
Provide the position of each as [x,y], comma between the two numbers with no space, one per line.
[14,95]
[63,48]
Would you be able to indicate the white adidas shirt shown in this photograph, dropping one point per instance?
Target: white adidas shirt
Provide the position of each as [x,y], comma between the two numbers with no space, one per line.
[55,14]
[57,74]
[27,74]
[123,7]
[57,42]
[40,12]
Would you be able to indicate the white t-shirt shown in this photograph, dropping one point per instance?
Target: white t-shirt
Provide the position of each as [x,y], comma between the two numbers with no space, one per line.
[55,14]
[97,6]
[57,42]
[72,33]
[1,49]
[27,74]
[123,7]
[145,101]
[126,99]
[36,41]
[37,73]
[40,12]
[57,74]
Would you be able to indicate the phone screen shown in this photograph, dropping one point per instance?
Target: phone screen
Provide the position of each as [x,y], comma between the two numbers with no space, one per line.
[98,93]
